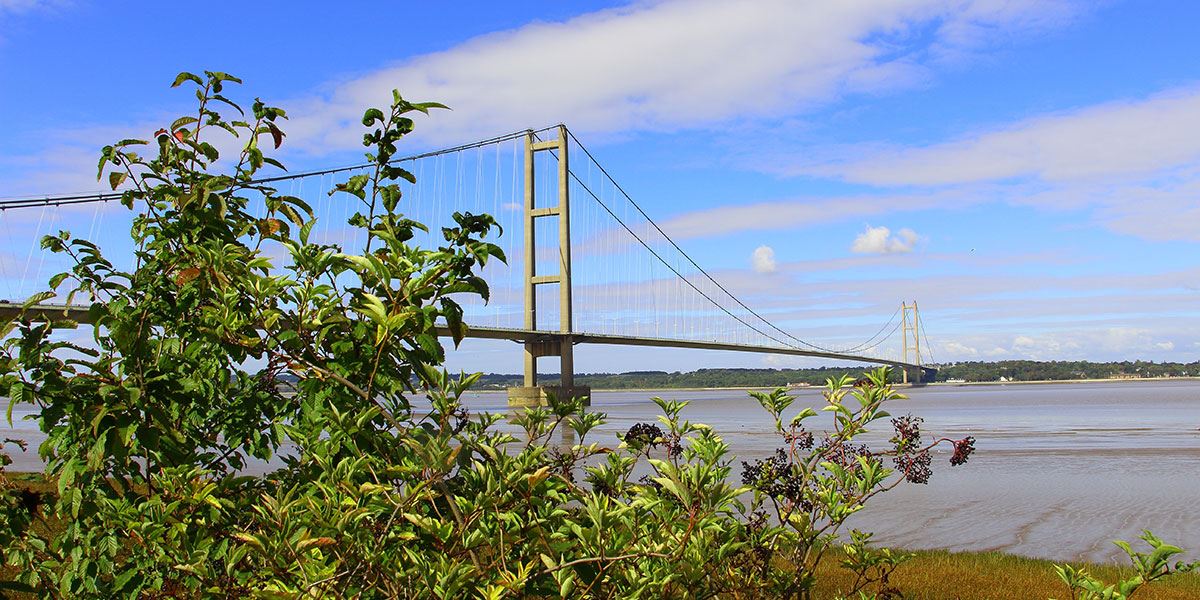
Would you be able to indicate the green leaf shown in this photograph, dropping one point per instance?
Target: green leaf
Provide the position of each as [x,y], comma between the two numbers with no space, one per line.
[425,106]
[185,76]
[116,178]
[181,122]
[371,116]
[804,414]
[16,395]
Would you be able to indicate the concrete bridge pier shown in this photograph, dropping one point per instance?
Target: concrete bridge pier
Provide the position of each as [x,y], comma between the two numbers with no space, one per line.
[558,343]
[919,375]
[533,394]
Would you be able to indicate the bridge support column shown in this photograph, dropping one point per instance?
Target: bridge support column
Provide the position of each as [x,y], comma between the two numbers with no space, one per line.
[917,376]
[559,343]
[912,328]
[534,394]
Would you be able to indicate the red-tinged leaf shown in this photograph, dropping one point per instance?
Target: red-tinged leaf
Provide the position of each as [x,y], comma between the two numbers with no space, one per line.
[186,275]
[276,134]
[320,542]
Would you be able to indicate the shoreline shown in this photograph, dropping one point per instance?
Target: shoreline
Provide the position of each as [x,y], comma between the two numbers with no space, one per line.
[1053,381]
[898,385]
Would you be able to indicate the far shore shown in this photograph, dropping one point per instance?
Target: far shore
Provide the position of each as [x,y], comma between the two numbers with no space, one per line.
[898,385]
[1050,381]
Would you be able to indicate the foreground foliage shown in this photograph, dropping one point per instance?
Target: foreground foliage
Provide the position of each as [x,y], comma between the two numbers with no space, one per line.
[1147,568]
[210,355]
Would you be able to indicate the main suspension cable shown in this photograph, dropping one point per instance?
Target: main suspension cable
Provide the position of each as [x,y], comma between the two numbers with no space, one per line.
[68,199]
[690,259]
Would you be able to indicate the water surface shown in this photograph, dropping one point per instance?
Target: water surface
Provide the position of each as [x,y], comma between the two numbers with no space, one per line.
[1060,469]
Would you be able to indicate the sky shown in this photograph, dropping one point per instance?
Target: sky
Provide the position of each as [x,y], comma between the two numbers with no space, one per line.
[1027,170]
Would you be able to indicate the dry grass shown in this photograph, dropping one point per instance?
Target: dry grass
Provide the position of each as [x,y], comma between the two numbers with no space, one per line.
[940,575]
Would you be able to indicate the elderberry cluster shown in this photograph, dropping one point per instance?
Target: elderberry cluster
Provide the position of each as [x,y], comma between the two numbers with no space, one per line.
[843,454]
[643,435]
[962,450]
[910,458]
[801,438]
[908,432]
[915,466]
[648,435]
[775,477]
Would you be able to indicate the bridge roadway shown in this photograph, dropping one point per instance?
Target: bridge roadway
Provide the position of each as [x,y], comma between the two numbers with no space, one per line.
[79,314]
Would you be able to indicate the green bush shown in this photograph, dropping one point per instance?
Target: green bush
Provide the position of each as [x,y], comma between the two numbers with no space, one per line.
[388,487]
[1147,568]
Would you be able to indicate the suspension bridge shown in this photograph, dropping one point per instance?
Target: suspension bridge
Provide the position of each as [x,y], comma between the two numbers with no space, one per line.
[586,263]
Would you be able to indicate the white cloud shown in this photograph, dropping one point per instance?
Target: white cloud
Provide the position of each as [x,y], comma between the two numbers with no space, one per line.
[804,212]
[879,240]
[21,6]
[650,66]
[1081,342]
[763,259]
[1106,141]
[669,65]
[1024,341]
[1132,163]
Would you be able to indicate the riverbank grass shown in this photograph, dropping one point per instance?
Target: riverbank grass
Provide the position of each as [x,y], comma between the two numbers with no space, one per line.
[942,575]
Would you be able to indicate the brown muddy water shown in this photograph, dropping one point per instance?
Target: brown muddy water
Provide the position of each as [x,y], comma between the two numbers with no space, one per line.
[1059,471]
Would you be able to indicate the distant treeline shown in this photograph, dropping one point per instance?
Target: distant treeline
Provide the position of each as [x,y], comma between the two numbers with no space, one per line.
[697,379]
[1028,370]
[1009,370]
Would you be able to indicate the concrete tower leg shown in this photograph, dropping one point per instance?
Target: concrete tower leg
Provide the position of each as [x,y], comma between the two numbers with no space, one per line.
[556,343]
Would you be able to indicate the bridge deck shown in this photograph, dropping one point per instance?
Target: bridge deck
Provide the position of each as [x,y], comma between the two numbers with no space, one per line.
[79,314]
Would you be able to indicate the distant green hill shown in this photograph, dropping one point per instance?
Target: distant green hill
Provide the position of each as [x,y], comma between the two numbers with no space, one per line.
[1010,370]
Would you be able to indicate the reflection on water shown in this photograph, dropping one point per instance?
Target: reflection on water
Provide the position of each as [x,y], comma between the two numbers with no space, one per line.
[1059,471]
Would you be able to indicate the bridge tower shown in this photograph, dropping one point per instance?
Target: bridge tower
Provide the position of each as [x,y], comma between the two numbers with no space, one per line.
[912,326]
[558,343]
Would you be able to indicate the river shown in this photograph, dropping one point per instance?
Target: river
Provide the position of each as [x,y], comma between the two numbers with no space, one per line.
[1060,470]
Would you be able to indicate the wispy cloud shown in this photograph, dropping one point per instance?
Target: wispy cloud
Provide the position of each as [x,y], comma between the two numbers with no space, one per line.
[24,6]
[808,211]
[669,65]
[650,66]
[1108,141]
[1131,163]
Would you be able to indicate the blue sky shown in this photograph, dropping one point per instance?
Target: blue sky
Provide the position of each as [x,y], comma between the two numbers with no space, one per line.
[1027,170]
